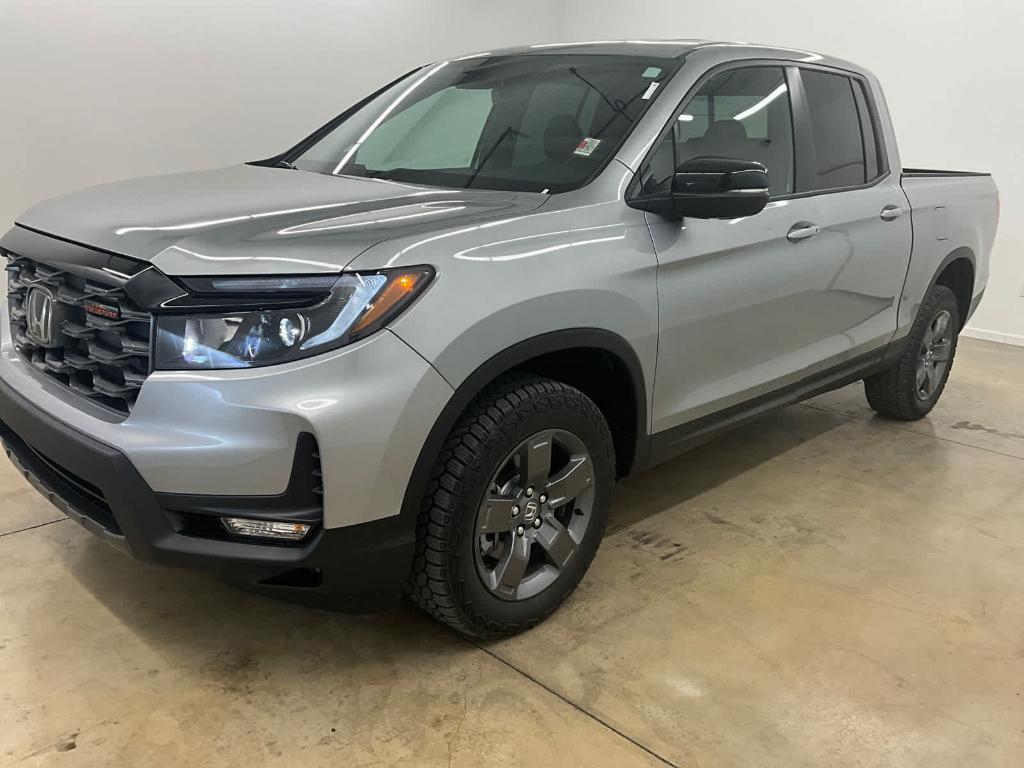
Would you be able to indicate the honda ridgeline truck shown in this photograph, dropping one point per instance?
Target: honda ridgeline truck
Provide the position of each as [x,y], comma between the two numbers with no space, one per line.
[414,352]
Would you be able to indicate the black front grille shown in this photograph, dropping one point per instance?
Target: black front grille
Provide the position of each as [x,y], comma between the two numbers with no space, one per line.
[318,471]
[199,525]
[84,496]
[101,339]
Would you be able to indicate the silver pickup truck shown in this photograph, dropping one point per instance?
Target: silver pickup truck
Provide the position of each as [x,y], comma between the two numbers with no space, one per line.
[414,352]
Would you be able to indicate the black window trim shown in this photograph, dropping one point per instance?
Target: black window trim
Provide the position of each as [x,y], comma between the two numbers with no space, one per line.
[867,125]
[800,107]
[298,149]
[633,190]
[803,135]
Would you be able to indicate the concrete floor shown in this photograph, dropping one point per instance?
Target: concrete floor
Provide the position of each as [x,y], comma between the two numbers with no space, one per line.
[821,588]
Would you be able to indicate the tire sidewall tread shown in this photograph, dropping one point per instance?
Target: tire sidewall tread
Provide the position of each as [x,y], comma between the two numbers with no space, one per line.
[443,580]
[893,393]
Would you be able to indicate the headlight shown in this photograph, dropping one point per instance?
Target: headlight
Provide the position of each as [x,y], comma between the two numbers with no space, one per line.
[278,328]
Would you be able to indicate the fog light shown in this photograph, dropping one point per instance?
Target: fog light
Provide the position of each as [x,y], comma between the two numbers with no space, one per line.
[266,529]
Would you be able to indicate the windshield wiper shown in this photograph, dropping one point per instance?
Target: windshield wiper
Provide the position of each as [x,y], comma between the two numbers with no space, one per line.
[360,171]
[618,106]
[509,131]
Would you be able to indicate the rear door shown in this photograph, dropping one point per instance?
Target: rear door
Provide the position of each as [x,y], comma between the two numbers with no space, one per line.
[862,214]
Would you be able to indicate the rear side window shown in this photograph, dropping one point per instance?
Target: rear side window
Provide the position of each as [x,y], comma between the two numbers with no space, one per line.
[840,159]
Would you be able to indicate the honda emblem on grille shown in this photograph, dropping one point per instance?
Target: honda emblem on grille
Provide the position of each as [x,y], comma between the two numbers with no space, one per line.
[40,317]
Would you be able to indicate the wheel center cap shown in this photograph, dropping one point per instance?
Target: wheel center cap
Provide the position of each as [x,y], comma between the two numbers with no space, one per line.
[531,511]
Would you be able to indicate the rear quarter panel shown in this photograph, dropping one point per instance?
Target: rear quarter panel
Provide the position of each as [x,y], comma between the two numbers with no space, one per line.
[951,215]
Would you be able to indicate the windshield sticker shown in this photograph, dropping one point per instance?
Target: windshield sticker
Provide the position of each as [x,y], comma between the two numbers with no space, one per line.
[587,147]
[650,90]
[652,72]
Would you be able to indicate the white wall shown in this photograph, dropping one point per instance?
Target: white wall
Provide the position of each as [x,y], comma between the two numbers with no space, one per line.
[96,90]
[952,70]
[107,89]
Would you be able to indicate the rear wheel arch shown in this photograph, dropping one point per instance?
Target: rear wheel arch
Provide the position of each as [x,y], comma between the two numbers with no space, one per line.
[957,272]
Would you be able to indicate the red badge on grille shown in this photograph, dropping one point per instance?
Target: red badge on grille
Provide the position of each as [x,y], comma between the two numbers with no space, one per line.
[111,313]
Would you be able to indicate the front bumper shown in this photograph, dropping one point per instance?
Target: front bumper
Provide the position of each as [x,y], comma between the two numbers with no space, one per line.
[370,407]
[359,567]
[221,442]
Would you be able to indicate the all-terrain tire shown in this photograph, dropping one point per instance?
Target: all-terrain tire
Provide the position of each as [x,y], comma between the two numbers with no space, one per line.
[444,580]
[895,393]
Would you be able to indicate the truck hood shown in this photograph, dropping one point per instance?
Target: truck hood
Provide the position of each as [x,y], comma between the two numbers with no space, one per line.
[256,220]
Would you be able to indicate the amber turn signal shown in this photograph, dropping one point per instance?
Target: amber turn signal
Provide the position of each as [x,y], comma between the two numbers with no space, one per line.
[400,288]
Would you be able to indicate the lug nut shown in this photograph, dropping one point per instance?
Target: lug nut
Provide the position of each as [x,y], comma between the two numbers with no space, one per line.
[515,511]
[543,498]
[537,523]
[529,492]
[520,531]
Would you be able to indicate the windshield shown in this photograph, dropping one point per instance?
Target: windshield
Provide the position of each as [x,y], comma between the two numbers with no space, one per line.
[539,123]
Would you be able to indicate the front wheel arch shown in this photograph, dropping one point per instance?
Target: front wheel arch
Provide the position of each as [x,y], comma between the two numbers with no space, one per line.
[519,356]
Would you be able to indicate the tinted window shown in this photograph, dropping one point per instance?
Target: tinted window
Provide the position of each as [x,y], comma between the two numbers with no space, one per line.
[743,114]
[537,122]
[839,159]
[872,146]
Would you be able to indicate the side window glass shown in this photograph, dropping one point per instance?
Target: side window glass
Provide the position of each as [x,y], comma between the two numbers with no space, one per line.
[742,114]
[872,152]
[840,159]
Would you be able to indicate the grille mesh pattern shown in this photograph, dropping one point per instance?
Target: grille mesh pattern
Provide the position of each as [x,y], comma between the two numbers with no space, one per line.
[102,354]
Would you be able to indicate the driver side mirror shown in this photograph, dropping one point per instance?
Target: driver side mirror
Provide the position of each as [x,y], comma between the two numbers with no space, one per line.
[711,188]
[719,188]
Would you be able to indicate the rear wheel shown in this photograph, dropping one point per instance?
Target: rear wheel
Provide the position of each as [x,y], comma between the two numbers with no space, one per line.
[516,508]
[911,388]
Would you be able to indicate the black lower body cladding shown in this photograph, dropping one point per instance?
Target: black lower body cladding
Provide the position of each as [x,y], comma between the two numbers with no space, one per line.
[361,567]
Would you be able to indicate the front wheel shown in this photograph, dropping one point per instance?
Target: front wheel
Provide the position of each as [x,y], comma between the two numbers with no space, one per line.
[516,508]
[911,388]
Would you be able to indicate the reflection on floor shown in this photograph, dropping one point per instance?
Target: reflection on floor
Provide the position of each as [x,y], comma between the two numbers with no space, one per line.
[820,588]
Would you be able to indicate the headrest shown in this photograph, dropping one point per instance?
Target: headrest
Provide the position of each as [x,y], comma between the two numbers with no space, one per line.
[726,131]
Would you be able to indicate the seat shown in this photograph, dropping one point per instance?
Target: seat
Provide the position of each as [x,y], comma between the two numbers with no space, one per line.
[728,138]
[724,138]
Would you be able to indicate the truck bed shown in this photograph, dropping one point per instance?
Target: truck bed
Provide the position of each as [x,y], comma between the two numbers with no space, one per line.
[915,173]
[953,213]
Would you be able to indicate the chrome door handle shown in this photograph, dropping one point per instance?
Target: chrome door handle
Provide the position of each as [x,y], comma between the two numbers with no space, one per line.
[891,213]
[802,231]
